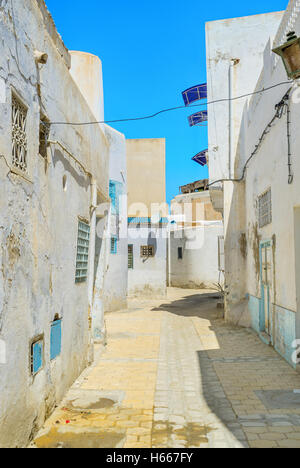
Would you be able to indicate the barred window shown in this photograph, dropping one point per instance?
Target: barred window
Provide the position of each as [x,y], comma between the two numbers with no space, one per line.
[113,245]
[44,135]
[265,208]
[82,252]
[19,137]
[130,257]
[147,251]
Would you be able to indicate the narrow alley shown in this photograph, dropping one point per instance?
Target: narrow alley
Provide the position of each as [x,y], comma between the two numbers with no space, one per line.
[175,375]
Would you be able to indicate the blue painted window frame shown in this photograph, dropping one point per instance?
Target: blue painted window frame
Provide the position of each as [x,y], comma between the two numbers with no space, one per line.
[37,356]
[55,339]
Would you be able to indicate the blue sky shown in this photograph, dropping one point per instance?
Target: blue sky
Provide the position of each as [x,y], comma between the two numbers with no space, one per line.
[151,51]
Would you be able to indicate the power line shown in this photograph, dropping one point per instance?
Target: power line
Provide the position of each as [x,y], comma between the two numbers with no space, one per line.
[170,109]
[280,108]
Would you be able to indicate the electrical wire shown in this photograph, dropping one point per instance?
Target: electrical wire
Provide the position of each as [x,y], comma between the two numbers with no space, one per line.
[280,108]
[134,119]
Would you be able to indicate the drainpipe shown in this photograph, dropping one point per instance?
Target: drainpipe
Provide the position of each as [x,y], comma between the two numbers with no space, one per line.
[92,246]
[233,62]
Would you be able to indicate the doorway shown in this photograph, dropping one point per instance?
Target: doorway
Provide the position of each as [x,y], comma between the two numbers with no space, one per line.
[266,286]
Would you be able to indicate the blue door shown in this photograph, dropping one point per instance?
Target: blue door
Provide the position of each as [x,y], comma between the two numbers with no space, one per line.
[266,285]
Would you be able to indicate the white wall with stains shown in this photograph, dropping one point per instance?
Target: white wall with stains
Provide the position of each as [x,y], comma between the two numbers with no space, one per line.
[39,220]
[148,275]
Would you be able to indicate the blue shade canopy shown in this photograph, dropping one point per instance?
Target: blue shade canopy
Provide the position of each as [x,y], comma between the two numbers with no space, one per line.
[195,94]
[201,158]
[198,118]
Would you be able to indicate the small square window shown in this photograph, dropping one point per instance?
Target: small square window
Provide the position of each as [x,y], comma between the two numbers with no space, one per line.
[130,257]
[44,136]
[55,340]
[180,253]
[37,356]
[113,245]
[147,251]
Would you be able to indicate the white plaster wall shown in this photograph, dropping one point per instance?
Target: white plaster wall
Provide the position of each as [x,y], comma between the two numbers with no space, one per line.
[199,266]
[244,39]
[116,279]
[86,69]
[39,222]
[149,276]
[237,38]
[271,161]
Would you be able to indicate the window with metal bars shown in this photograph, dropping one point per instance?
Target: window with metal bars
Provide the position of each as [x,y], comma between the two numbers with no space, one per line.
[82,252]
[19,136]
[147,251]
[265,208]
[113,245]
[130,257]
[44,136]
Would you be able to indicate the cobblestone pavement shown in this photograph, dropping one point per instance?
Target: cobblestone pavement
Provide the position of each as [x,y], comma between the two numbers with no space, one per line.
[175,375]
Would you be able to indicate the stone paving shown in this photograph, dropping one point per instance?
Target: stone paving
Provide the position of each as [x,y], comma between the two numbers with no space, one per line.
[175,375]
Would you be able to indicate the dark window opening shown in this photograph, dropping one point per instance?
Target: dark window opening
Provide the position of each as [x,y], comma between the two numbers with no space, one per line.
[180,253]
[44,136]
[147,251]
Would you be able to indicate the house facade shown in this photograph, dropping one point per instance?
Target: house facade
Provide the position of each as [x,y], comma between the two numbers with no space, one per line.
[195,240]
[147,217]
[261,211]
[54,176]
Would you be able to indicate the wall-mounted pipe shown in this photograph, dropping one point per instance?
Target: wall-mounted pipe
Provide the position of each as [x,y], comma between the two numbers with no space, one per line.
[233,63]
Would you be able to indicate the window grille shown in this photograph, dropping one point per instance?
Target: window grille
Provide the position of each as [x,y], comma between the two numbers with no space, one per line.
[265,209]
[19,137]
[82,252]
[130,257]
[44,136]
[147,251]
[221,253]
[113,245]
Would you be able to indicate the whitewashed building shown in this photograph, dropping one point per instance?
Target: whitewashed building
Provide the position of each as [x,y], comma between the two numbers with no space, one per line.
[195,242]
[147,217]
[53,178]
[255,139]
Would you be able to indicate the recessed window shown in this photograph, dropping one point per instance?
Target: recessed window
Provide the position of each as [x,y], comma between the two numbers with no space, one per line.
[147,251]
[19,136]
[82,252]
[180,253]
[55,339]
[221,254]
[37,356]
[130,257]
[44,135]
[113,245]
[265,208]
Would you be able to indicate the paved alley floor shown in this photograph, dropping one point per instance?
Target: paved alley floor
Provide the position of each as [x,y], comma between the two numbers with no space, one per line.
[174,375]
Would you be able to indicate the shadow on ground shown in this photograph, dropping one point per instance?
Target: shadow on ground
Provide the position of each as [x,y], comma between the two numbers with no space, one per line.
[205,306]
[190,305]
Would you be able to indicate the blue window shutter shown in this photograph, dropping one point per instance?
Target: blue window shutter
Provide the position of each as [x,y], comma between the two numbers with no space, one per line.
[55,340]
[113,195]
[37,356]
